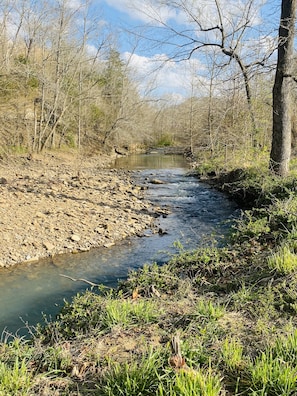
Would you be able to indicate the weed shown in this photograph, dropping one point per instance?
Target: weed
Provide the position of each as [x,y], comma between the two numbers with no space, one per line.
[272,376]
[209,311]
[253,225]
[192,383]
[201,263]
[232,353]
[257,302]
[162,278]
[15,380]
[195,351]
[55,359]
[94,312]
[151,377]
[126,313]
[283,260]
[243,297]
[270,224]
[133,379]
[285,348]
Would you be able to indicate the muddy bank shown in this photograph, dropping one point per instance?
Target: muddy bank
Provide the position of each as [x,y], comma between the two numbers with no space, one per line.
[55,204]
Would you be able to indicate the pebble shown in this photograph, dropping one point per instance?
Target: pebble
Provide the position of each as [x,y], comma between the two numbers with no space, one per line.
[75,238]
[49,210]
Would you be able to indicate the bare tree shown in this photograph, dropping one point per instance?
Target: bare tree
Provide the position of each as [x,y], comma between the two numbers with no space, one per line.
[66,66]
[281,138]
[227,28]
[57,86]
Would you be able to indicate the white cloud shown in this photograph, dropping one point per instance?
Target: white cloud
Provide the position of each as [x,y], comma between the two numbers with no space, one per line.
[74,4]
[185,11]
[240,19]
[157,72]
[159,75]
[147,11]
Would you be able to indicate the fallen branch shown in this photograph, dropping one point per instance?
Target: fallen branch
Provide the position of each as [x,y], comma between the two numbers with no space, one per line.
[82,280]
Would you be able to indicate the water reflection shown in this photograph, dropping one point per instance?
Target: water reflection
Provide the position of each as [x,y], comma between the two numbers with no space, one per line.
[28,290]
[151,161]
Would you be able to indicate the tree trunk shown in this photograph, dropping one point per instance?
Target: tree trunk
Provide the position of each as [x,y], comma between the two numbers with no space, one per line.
[245,74]
[281,135]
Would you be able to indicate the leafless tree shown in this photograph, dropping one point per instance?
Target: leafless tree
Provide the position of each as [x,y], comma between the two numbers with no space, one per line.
[228,28]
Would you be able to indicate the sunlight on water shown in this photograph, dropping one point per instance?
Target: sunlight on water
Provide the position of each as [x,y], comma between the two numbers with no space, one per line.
[151,161]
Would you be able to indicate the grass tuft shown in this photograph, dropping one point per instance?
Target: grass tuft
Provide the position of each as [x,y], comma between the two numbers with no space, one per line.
[15,379]
[283,261]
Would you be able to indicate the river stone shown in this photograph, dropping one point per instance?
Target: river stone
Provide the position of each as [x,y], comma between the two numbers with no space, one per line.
[49,246]
[108,245]
[40,214]
[75,238]
[3,180]
[84,249]
[157,181]
[59,217]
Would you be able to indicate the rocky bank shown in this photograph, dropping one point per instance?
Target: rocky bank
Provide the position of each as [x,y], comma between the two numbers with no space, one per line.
[59,203]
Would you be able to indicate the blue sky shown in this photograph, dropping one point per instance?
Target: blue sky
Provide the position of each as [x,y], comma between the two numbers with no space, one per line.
[156,66]
[179,78]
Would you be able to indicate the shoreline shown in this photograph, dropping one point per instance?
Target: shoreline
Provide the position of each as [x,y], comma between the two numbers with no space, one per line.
[53,204]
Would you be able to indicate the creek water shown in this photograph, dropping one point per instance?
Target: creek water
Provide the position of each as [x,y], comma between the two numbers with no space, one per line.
[32,290]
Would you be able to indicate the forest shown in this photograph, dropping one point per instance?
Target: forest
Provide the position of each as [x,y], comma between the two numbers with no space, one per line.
[217,320]
[65,84]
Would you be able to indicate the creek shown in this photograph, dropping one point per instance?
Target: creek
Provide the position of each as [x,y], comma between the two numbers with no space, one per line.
[197,212]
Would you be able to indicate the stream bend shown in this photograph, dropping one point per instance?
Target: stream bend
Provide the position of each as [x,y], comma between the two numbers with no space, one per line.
[197,212]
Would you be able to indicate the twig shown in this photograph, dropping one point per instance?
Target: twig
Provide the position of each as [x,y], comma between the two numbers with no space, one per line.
[163,275]
[81,280]
[155,291]
[175,345]
[177,361]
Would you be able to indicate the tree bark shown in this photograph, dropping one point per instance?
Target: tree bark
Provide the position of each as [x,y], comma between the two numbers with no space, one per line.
[281,134]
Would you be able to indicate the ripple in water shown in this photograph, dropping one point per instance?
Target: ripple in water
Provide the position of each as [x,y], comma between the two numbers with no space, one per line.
[29,290]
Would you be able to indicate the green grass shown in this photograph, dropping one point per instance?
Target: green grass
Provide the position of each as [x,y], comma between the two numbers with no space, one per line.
[271,375]
[283,261]
[192,383]
[134,378]
[234,308]
[152,376]
[15,379]
[126,313]
[91,311]
[165,140]
[209,311]
[232,353]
